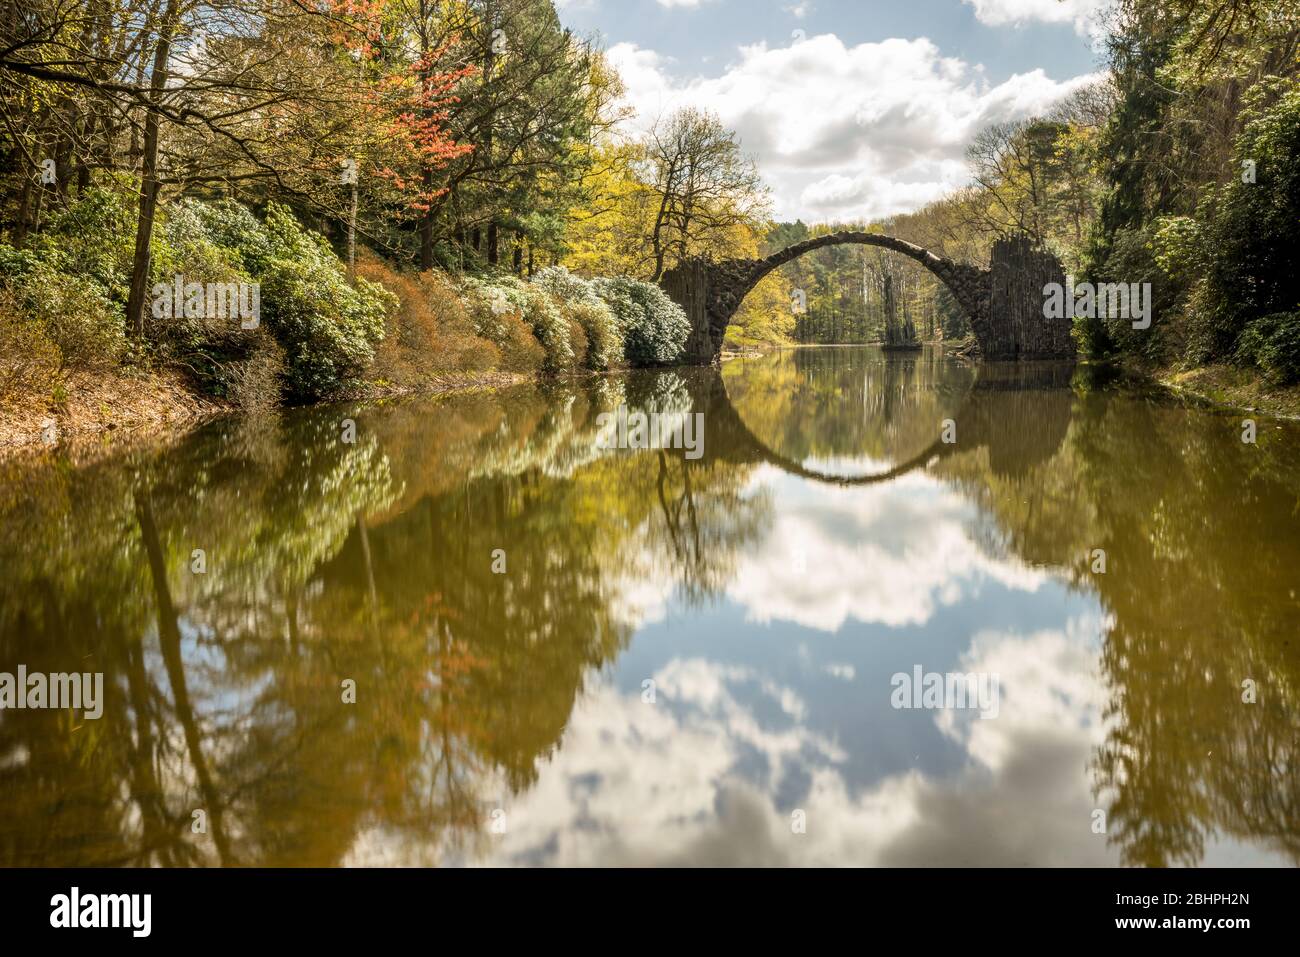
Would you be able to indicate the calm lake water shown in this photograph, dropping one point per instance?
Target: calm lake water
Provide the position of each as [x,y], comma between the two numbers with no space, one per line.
[566,654]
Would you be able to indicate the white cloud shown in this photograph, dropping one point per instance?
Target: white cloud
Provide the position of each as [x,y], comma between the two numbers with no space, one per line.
[673,783]
[835,193]
[640,596]
[1049,684]
[889,555]
[1082,13]
[845,132]
[662,784]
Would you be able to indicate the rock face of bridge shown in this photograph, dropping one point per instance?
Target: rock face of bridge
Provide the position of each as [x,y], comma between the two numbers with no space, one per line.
[1004,302]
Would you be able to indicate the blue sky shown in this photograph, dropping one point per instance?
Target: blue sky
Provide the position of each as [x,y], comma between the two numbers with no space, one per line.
[852,110]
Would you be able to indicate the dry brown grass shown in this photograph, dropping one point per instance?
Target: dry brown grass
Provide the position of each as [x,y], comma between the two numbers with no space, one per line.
[430,333]
[579,341]
[99,408]
[254,384]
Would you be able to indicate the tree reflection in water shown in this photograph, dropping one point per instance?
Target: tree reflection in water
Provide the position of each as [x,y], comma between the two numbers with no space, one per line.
[373,561]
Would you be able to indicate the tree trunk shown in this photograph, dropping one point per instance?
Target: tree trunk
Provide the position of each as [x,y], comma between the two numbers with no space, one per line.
[426,229]
[489,64]
[150,187]
[24,206]
[426,221]
[39,208]
[352,235]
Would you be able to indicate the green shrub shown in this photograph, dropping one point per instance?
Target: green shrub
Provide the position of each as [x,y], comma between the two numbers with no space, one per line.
[502,296]
[29,360]
[654,327]
[70,282]
[233,227]
[1252,240]
[578,302]
[578,340]
[1273,343]
[81,319]
[189,247]
[328,329]
[221,358]
[604,338]
[289,239]
[95,238]
[552,330]
[74,313]
[1132,259]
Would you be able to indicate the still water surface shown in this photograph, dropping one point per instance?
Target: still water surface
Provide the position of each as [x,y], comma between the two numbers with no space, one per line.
[681,655]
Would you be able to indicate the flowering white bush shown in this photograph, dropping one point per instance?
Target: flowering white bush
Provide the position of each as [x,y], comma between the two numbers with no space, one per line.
[576,298]
[654,327]
[499,297]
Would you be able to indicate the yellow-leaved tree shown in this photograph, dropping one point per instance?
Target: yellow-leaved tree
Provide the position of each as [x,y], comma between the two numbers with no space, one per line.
[767,315]
[606,234]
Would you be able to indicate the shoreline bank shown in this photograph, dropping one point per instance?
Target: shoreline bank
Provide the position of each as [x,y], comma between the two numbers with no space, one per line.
[107,412]
[1230,389]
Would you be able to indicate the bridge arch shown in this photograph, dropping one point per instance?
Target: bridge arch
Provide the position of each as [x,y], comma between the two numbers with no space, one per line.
[968,284]
[1004,302]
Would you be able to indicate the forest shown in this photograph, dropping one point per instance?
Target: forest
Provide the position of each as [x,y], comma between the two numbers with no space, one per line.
[424,191]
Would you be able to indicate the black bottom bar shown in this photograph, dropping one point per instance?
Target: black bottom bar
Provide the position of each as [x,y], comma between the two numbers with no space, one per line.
[335,907]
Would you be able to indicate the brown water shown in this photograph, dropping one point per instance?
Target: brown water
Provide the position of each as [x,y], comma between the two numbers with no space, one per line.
[669,660]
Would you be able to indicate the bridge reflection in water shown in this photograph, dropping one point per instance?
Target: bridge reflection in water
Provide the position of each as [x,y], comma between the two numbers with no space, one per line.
[525,691]
[891,412]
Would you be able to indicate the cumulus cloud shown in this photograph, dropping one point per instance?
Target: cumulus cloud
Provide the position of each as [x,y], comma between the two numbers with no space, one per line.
[845,132]
[889,555]
[674,783]
[1083,14]
[700,779]
[1049,686]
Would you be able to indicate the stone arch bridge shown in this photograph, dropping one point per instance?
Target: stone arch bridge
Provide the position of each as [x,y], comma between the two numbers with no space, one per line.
[1004,302]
